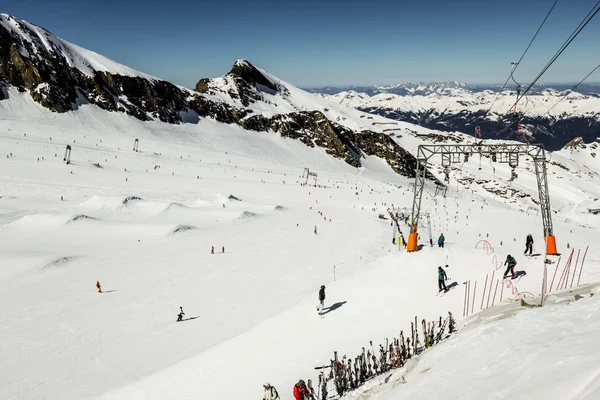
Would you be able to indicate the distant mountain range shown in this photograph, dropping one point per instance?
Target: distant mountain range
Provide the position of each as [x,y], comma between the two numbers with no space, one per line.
[552,116]
[424,89]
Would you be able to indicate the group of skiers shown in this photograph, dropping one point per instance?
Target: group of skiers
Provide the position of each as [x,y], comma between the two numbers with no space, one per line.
[212,249]
[301,391]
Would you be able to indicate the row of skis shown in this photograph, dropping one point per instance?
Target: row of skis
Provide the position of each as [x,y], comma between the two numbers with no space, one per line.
[346,375]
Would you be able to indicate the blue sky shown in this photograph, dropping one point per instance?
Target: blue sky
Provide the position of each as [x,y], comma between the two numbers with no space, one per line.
[314,43]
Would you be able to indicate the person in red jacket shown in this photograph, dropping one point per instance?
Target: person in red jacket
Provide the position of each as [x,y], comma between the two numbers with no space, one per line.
[301,391]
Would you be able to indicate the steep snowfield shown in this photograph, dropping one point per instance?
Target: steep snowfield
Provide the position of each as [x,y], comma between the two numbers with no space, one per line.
[548,353]
[456,100]
[85,60]
[255,304]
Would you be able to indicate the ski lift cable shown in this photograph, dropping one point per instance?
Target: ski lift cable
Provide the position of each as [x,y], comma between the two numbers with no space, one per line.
[593,12]
[571,90]
[522,56]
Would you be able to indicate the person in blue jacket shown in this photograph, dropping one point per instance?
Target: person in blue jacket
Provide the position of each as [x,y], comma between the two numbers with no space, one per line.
[442,279]
[441,240]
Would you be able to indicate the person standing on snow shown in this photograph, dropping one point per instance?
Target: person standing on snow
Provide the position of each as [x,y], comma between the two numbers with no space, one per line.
[510,260]
[322,299]
[180,315]
[301,391]
[529,244]
[98,287]
[442,279]
[441,240]
[212,250]
[270,392]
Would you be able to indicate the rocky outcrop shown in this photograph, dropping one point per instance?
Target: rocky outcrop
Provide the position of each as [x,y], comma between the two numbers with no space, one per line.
[576,143]
[58,77]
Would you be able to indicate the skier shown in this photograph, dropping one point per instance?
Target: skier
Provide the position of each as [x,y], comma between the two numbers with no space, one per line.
[222,249]
[322,299]
[212,250]
[511,266]
[301,391]
[441,279]
[529,244]
[315,229]
[441,240]
[180,315]
[98,287]
[270,392]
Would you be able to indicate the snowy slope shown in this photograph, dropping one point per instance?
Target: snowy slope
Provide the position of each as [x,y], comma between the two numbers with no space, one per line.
[84,60]
[143,223]
[255,303]
[547,353]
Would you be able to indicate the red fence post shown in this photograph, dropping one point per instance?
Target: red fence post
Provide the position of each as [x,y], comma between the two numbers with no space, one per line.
[580,269]
[554,276]
[575,269]
[483,295]
[473,302]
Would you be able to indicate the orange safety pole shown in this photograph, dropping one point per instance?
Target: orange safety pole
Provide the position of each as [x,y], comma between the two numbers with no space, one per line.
[413,239]
[551,245]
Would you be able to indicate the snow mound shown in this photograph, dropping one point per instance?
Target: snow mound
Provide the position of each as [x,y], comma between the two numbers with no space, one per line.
[184,228]
[60,262]
[81,217]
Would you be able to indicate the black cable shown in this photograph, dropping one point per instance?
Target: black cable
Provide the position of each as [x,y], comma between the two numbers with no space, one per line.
[571,90]
[569,40]
[523,55]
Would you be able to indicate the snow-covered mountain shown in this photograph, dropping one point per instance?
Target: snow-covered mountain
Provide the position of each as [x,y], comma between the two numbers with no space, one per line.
[455,107]
[402,89]
[63,77]
[222,167]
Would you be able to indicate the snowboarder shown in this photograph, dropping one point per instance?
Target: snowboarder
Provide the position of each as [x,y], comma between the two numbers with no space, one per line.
[98,287]
[301,391]
[212,250]
[222,249]
[315,229]
[511,266]
[180,315]
[321,299]
[441,240]
[529,244]
[270,392]
[442,279]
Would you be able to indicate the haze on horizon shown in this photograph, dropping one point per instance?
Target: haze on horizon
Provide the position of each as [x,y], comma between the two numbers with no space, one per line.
[315,44]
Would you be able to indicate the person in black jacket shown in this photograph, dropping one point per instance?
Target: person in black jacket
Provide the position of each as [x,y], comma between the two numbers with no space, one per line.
[510,260]
[529,244]
[322,299]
